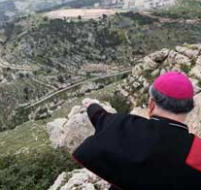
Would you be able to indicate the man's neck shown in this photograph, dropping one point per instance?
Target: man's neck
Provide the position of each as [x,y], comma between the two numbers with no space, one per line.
[176,117]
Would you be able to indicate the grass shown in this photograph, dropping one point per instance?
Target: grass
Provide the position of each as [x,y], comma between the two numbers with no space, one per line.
[27,161]
[29,136]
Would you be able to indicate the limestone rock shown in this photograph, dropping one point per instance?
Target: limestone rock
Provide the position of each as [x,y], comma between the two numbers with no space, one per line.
[175,58]
[193,46]
[80,179]
[159,56]
[137,70]
[56,132]
[194,119]
[71,132]
[186,58]
[149,64]
[196,86]
[77,129]
[190,53]
[196,70]
[75,110]
[60,181]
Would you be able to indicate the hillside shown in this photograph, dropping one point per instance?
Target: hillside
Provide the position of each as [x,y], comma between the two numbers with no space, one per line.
[51,59]
[13,9]
[49,65]
[28,149]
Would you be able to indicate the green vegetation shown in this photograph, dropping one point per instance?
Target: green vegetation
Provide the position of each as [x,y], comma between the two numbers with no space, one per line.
[199,83]
[114,40]
[186,68]
[60,47]
[27,161]
[186,9]
[36,171]
[119,103]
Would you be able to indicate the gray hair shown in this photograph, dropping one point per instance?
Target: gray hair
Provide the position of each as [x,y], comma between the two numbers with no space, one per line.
[171,104]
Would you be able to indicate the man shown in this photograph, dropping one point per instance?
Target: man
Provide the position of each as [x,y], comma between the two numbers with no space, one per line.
[132,152]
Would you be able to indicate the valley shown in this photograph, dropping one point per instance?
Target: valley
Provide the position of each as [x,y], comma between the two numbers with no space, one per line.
[54,58]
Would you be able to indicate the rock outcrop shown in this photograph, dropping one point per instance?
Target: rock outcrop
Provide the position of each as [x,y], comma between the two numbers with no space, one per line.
[186,58]
[72,131]
[79,179]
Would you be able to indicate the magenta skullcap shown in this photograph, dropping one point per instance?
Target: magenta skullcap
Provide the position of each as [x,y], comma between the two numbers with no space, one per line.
[174,85]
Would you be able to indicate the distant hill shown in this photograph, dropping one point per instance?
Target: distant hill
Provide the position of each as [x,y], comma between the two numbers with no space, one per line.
[12,9]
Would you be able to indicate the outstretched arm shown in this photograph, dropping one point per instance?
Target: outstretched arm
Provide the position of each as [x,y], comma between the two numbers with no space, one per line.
[99,117]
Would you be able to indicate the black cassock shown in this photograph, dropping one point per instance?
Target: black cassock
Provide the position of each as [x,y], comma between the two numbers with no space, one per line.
[134,153]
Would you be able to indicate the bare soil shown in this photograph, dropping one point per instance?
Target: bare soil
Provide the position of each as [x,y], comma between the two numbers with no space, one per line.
[84,13]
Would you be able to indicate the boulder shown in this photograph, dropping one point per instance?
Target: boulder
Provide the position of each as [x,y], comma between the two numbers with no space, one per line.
[159,56]
[149,64]
[190,53]
[60,181]
[71,132]
[176,59]
[56,131]
[80,179]
[77,129]
[196,70]
[193,46]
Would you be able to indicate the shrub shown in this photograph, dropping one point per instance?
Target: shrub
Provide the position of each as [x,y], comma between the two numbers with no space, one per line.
[33,171]
[119,102]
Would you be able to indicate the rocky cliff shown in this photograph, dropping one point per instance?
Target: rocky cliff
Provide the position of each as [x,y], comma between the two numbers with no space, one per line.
[184,58]
[40,62]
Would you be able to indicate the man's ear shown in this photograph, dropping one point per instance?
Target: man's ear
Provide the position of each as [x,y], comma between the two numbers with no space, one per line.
[194,103]
[151,106]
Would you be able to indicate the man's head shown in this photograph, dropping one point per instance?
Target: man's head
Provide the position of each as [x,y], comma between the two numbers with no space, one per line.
[171,95]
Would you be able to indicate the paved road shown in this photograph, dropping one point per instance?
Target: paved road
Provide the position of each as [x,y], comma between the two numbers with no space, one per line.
[60,92]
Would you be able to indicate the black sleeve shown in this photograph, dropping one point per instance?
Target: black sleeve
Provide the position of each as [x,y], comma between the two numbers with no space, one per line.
[99,117]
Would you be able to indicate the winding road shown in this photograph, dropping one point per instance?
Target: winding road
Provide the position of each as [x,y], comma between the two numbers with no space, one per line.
[60,92]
